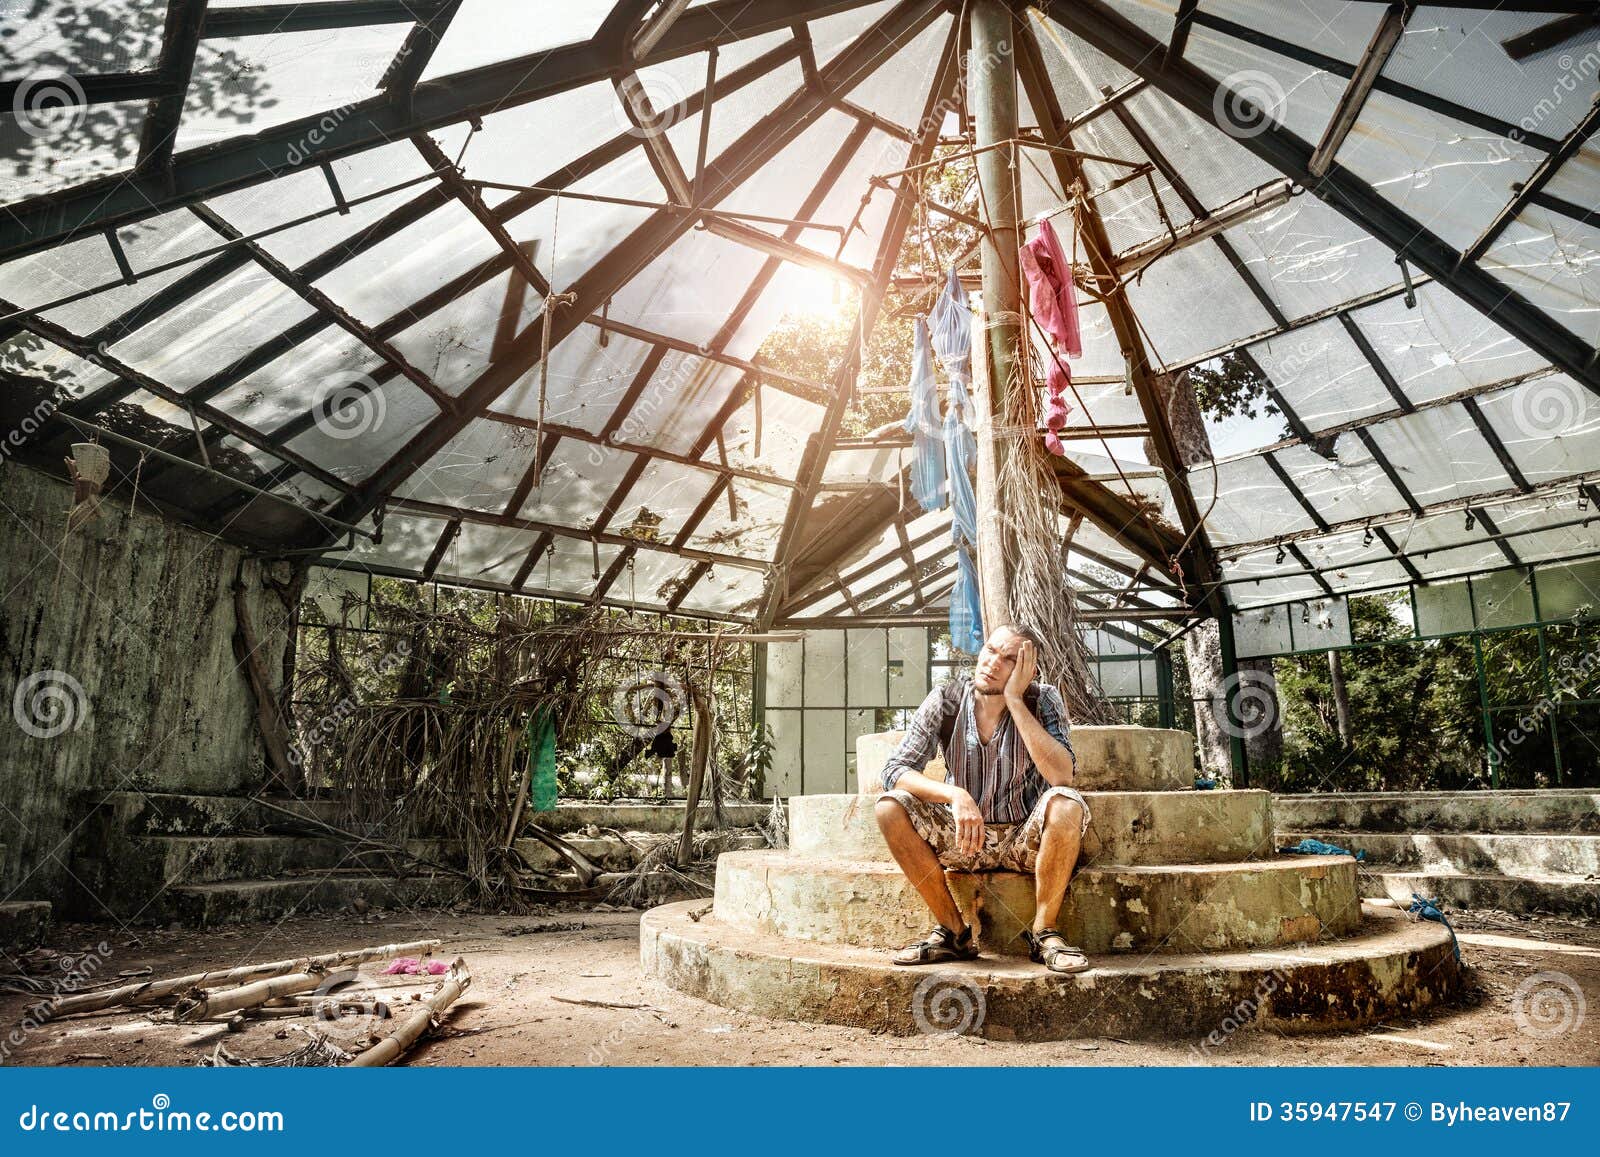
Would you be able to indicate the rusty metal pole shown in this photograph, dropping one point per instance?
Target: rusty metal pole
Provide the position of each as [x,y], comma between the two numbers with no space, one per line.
[992,97]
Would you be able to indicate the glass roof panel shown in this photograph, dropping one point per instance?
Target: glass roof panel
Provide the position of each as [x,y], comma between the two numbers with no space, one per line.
[1459,55]
[1450,177]
[356,432]
[1440,455]
[48,146]
[243,311]
[245,84]
[1443,346]
[1554,262]
[48,38]
[486,32]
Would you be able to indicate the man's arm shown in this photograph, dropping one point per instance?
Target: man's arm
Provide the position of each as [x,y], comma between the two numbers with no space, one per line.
[1051,753]
[904,771]
[921,744]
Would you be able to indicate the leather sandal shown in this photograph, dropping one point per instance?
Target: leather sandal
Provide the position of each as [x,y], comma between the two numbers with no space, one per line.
[941,946]
[1051,949]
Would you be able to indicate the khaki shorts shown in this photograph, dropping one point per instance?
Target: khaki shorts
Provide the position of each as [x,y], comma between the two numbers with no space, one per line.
[1006,847]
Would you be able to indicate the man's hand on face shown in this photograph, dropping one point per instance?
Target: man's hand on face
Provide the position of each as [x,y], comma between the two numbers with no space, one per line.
[969,824]
[1022,672]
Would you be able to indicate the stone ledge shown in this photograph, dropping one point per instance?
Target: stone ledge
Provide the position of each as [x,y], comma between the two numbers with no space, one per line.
[1129,827]
[1392,967]
[1134,908]
[23,924]
[1115,758]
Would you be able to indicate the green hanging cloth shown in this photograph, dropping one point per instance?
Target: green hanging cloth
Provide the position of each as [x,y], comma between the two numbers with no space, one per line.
[542,751]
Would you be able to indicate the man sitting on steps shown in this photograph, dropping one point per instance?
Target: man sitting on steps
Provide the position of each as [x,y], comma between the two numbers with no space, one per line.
[1008,804]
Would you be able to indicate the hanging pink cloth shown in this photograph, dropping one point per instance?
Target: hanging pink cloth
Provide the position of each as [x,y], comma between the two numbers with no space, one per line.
[1054,303]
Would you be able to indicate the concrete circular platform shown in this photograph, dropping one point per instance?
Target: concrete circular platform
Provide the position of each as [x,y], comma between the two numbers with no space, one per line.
[1113,758]
[1392,967]
[1129,827]
[1173,908]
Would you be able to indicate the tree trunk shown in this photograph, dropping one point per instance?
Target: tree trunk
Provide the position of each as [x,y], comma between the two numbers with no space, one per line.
[1341,698]
[1202,646]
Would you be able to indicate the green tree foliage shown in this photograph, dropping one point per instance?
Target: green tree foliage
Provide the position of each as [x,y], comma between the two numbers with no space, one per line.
[1410,728]
[1228,386]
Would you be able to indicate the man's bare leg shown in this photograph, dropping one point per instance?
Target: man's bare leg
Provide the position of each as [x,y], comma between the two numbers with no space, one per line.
[918,862]
[1058,855]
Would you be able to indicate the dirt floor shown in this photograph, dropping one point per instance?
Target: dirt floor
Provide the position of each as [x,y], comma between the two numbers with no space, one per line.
[532,976]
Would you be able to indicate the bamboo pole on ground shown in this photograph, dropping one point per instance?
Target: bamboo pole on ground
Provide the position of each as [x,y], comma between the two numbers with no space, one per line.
[394,1046]
[152,991]
[209,1004]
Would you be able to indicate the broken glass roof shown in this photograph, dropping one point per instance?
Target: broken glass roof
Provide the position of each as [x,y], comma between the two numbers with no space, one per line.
[476,290]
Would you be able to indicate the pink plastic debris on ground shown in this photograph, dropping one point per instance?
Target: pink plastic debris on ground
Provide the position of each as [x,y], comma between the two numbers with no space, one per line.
[411,966]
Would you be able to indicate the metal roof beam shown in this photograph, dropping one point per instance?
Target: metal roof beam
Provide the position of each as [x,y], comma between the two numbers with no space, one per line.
[484,518]
[1195,548]
[1237,550]
[1125,43]
[1384,39]
[1321,61]
[814,460]
[1507,463]
[638,249]
[159,133]
[272,19]
[40,222]
[1536,182]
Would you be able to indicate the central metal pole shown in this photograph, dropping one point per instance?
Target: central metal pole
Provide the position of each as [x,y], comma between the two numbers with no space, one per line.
[992,98]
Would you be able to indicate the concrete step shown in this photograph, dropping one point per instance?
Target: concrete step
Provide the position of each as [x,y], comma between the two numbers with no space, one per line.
[1565,811]
[1520,854]
[1147,908]
[618,854]
[1557,895]
[208,859]
[1127,827]
[23,924]
[661,819]
[242,901]
[1120,757]
[1389,967]
[138,813]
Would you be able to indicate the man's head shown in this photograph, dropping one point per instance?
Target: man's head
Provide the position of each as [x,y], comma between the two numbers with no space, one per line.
[998,658]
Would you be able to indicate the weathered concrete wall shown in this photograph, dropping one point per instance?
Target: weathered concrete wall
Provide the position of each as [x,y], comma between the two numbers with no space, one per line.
[117,669]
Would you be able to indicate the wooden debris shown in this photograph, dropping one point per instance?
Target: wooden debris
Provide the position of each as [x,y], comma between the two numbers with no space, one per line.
[154,991]
[603,1003]
[398,1043]
[202,1004]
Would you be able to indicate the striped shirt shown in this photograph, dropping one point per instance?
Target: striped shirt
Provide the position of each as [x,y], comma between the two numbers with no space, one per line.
[999,775]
